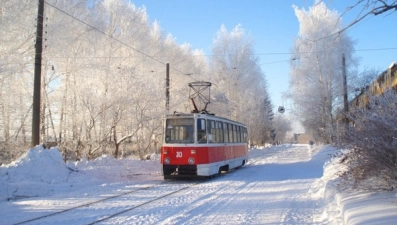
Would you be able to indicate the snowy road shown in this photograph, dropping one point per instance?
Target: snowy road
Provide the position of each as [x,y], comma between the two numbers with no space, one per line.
[274,188]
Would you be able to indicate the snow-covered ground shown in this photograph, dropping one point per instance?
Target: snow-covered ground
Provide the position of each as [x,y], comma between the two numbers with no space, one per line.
[288,184]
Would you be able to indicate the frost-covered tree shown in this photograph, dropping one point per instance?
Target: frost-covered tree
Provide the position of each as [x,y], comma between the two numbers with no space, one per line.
[316,69]
[103,76]
[240,88]
[17,35]
[359,80]
[372,143]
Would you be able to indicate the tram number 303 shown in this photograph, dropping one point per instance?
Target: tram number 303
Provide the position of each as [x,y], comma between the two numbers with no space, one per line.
[179,154]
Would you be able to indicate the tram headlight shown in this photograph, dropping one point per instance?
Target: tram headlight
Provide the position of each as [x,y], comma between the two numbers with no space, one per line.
[167,160]
[190,160]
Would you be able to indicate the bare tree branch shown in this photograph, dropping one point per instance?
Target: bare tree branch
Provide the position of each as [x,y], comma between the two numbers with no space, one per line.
[376,7]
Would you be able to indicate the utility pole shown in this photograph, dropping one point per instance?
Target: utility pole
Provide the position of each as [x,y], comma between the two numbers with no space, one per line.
[37,76]
[346,103]
[167,88]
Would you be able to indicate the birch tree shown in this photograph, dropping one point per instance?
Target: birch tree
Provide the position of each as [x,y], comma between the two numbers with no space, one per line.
[103,76]
[17,35]
[316,69]
[240,86]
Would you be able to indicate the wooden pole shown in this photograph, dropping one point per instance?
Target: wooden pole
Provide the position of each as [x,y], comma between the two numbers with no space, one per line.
[345,99]
[37,76]
[167,88]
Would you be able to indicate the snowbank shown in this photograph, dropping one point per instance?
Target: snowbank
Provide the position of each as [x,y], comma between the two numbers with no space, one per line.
[37,165]
[41,172]
[358,207]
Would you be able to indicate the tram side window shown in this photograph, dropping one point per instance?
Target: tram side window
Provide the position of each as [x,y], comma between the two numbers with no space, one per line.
[219,132]
[235,133]
[230,129]
[201,131]
[242,134]
[238,134]
[179,130]
[211,131]
[225,132]
[245,135]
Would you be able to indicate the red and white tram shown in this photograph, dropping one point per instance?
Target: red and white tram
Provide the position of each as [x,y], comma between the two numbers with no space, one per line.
[202,145]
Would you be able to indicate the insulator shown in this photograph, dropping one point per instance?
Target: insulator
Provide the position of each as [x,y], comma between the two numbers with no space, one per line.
[281,109]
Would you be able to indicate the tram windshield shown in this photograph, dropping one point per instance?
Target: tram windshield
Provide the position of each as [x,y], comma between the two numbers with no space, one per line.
[179,130]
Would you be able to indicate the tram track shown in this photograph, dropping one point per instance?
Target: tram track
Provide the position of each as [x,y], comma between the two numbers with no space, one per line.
[84,205]
[162,195]
[144,203]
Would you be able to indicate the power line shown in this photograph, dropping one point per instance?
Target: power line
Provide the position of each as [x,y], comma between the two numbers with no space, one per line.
[375,49]
[313,52]
[359,50]
[155,59]
[270,53]
[109,36]
[287,60]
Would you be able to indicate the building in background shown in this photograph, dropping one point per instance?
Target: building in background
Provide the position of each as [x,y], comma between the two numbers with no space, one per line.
[303,138]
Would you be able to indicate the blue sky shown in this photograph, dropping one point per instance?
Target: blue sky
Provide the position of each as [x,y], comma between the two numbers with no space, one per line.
[273,26]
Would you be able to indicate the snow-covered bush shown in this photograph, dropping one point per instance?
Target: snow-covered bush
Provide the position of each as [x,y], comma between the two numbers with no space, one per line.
[372,140]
